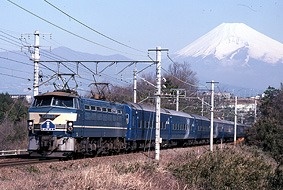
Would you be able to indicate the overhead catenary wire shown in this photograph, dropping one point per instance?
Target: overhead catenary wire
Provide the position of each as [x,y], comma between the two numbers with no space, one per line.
[21,71]
[90,28]
[15,76]
[16,61]
[65,30]
[193,85]
[49,55]
[190,84]
[9,41]
[44,54]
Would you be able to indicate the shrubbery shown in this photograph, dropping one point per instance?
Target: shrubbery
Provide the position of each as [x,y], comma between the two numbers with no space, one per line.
[267,132]
[224,169]
[13,130]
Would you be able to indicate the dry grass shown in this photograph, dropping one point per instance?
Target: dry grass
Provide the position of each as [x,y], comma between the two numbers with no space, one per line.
[131,171]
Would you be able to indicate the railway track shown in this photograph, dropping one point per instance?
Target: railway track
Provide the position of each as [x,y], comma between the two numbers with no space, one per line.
[23,161]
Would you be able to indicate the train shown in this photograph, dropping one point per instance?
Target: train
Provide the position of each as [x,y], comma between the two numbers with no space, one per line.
[64,124]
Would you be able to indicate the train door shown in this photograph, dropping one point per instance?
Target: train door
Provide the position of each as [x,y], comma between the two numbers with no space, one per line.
[82,119]
[192,128]
[165,127]
[215,129]
[129,122]
[134,124]
[80,122]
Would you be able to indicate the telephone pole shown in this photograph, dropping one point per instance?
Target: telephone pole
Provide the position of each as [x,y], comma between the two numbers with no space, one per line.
[235,121]
[135,83]
[158,51]
[212,114]
[36,57]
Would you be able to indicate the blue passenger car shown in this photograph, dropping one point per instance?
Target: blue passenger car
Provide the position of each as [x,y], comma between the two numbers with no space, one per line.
[224,129]
[141,129]
[202,125]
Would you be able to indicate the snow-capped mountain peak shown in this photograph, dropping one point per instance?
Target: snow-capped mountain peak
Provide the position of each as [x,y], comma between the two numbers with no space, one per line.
[231,40]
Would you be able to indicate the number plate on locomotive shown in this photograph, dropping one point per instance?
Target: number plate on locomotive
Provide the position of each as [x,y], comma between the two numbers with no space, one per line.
[48,126]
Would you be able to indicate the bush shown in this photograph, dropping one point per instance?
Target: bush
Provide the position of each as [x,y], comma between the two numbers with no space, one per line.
[13,129]
[267,132]
[224,169]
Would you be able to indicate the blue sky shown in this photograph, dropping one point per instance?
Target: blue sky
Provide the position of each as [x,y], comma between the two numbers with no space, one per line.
[141,24]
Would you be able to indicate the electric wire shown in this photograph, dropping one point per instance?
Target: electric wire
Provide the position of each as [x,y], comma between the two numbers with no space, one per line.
[193,85]
[13,69]
[13,52]
[15,76]
[65,30]
[190,84]
[8,41]
[15,61]
[44,53]
[90,28]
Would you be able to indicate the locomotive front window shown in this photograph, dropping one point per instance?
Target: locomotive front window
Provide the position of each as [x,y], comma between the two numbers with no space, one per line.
[42,101]
[63,101]
[54,101]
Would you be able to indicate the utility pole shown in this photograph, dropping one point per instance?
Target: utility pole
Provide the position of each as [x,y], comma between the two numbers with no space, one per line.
[135,83]
[255,110]
[178,96]
[202,105]
[36,57]
[177,99]
[158,101]
[211,114]
[235,122]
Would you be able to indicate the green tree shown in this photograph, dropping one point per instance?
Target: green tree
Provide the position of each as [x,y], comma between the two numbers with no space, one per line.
[267,132]
[13,115]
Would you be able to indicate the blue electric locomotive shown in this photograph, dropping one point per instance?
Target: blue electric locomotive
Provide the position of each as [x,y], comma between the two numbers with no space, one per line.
[63,124]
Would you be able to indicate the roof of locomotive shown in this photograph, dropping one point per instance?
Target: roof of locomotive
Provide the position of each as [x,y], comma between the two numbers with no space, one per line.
[59,93]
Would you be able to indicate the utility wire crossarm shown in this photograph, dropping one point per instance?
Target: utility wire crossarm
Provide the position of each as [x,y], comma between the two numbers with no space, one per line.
[95,71]
[111,62]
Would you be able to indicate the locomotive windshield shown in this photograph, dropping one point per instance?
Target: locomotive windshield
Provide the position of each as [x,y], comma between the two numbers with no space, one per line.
[60,101]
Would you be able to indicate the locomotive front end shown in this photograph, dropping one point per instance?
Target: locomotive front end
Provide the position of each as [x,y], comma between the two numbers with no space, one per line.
[51,124]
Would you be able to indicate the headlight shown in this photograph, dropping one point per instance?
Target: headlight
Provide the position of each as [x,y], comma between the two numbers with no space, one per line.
[30,124]
[70,126]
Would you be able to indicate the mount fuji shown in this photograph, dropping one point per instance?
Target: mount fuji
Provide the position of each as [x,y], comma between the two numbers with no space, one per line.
[235,54]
